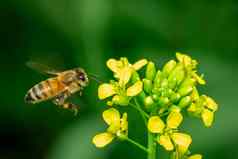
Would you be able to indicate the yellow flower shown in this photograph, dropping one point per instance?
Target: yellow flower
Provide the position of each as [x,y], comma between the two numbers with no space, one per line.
[102,139]
[186,60]
[210,103]
[122,90]
[174,120]
[168,132]
[196,156]
[135,89]
[117,127]
[105,90]
[204,107]
[155,124]
[123,70]
[166,142]
[207,117]
[198,78]
[182,141]
[139,64]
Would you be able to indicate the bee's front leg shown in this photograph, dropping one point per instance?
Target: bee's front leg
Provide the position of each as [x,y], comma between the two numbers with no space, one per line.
[60,100]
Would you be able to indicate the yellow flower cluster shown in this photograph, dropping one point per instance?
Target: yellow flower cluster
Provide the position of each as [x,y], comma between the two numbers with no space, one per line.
[160,96]
[118,127]
[168,135]
[126,85]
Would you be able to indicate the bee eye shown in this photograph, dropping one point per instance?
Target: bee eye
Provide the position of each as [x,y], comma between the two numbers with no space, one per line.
[81,77]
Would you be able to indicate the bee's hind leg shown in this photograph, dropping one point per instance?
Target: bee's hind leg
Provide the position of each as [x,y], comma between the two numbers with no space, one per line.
[60,101]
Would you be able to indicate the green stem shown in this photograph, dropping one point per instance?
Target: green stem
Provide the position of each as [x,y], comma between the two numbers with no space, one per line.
[137,144]
[151,146]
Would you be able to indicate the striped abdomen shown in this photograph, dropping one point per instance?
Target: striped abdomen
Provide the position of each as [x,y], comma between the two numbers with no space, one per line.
[44,90]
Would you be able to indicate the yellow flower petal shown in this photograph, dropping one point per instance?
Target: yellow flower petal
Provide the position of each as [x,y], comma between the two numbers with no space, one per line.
[135,89]
[207,117]
[174,120]
[114,65]
[199,79]
[165,141]
[139,64]
[211,104]
[186,60]
[102,139]
[155,124]
[182,141]
[192,108]
[105,90]
[111,116]
[196,156]
[125,75]
[124,122]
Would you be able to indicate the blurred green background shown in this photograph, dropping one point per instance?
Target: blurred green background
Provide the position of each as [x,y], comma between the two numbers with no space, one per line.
[70,33]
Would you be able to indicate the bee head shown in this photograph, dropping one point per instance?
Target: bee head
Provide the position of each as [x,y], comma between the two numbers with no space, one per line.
[81,77]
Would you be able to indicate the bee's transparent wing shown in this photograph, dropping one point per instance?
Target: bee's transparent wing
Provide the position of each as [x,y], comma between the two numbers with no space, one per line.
[42,68]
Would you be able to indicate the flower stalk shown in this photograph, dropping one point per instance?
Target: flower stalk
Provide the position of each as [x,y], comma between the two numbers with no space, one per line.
[151,146]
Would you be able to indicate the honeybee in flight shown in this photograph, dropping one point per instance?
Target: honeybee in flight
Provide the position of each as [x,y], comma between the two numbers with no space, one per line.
[59,87]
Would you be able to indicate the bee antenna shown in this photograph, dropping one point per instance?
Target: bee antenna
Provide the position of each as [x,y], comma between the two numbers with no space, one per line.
[95,78]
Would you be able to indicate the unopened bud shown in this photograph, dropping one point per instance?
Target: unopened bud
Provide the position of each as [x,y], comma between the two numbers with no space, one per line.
[184,102]
[175,97]
[150,71]
[163,101]
[183,91]
[157,79]
[147,85]
[148,102]
[168,67]
[177,73]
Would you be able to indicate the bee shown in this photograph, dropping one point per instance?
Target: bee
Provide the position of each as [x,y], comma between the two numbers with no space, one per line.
[59,87]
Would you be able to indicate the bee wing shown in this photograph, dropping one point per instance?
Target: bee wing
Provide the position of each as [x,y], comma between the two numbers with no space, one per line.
[42,68]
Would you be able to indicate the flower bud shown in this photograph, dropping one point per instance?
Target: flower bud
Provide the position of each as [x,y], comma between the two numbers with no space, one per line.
[172,83]
[177,73]
[163,101]
[175,97]
[147,85]
[174,108]
[150,71]
[148,102]
[120,100]
[135,77]
[168,67]
[184,102]
[141,96]
[188,81]
[155,97]
[183,91]
[157,79]
[164,83]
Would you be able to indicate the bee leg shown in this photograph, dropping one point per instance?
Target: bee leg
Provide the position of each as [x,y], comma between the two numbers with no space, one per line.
[60,101]
[72,107]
